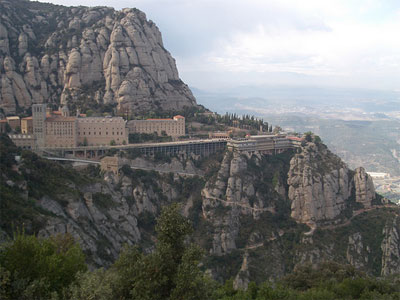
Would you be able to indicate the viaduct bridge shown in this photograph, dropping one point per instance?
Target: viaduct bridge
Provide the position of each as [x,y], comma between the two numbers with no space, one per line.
[200,147]
[267,144]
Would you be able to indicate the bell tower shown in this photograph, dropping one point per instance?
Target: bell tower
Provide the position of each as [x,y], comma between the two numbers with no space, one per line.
[39,125]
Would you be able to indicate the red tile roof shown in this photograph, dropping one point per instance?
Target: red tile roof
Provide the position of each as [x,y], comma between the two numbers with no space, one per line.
[295,138]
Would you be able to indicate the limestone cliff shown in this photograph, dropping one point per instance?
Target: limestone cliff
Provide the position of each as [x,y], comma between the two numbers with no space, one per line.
[271,213]
[239,204]
[391,248]
[50,53]
[321,187]
[101,211]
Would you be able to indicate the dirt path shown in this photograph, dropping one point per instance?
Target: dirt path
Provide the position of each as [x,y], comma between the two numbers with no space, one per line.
[357,213]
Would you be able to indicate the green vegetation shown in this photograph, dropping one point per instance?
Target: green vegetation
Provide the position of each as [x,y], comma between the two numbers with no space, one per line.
[370,226]
[170,272]
[135,138]
[54,268]
[23,184]
[34,268]
[103,201]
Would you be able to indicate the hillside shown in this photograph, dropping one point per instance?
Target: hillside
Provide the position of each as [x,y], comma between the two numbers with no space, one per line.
[257,216]
[96,58]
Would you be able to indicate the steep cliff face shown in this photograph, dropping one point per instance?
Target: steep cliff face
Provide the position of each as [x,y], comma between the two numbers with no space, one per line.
[102,213]
[240,206]
[391,248]
[269,214]
[235,193]
[247,207]
[321,187]
[50,53]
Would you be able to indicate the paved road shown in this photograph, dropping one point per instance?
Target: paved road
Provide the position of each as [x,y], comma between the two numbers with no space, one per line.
[132,167]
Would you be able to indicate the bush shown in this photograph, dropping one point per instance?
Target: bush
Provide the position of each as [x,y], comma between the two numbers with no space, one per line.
[36,268]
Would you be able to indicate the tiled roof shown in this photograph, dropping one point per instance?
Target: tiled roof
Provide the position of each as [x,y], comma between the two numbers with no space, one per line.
[295,138]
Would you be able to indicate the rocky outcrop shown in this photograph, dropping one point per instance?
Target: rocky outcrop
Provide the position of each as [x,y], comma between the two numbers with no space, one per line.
[232,193]
[101,214]
[365,191]
[355,253]
[321,187]
[391,248]
[52,53]
[239,204]
[101,230]
[252,197]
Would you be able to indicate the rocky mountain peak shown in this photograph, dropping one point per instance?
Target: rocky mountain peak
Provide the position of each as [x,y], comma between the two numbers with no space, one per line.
[51,53]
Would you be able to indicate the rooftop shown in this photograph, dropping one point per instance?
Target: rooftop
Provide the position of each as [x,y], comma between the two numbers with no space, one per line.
[295,138]
[101,119]
[60,119]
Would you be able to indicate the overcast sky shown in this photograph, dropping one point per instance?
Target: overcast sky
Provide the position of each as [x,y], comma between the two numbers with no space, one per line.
[339,43]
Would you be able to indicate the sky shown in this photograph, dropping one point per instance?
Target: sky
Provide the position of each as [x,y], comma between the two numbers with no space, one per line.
[228,43]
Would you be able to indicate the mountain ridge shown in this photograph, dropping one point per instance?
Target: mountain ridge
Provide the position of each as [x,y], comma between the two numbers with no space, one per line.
[85,55]
[242,209]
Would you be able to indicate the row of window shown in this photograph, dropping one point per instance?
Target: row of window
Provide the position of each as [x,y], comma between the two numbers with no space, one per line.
[100,128]
[94,133]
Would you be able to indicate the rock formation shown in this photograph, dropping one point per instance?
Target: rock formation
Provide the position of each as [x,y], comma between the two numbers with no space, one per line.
[321,185]
[53,53]
[365,190]
[251,212]
[252,197]
[391,248]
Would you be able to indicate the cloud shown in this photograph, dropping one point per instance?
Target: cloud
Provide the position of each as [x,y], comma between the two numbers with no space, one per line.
[337,42]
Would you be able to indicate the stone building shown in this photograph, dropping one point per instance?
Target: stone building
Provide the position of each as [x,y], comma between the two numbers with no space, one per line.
[14,122]
[102,131]
[266,144]
[173,127]
[39,126]
[57,129]
[220,134]
[111,164]
[27,125]
[24,141]
[61,132]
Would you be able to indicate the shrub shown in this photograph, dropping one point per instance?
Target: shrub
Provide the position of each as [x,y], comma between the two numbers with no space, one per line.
[36,268]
